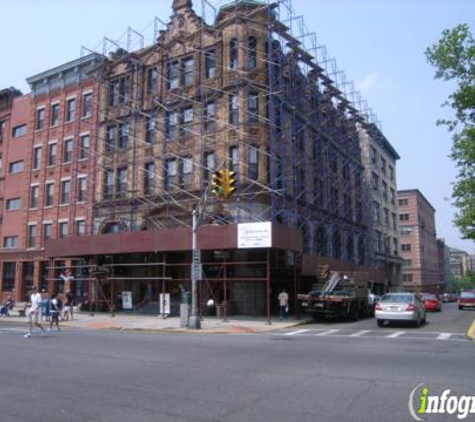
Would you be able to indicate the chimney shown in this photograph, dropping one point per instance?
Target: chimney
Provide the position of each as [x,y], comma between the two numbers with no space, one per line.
[181,4]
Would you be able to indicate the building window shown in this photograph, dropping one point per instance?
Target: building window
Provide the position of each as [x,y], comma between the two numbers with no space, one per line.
[373,155]
[210,116]
[52,148]
[386,217]
[87,105]
[40,118]
[233,54]
[34,196]
[80,227]
[383,166]
[119,91]
[9,272]
[28,275]
[403,202]
[54,115]
[171,124]
[187,121]
[209,165]
[149,178]
[2,129]
[186,172]
[403,217]
[171,174]
[84,147]
[375,181]
[234,158]
[253,107]
[405,247]
[233,109]
[391,173]
[188,75]
[49,195]
[251,53]
[19,131]
[114,92]
[108,184]
[407,263]
[407,277]
[253,162]
[152,80]
[65,191]
[47,230]
[210,64]
[31,235]
[173,75]
[393,196]
[70,109]
[82,189]
[67,151]
[63,229]
[385,190]
[10,242]
[15,167]
[395,247]
[13,204]
[110,143]
[149,130]
[394,218]
[376,211]
[36,158]
[123,135]
[121,188]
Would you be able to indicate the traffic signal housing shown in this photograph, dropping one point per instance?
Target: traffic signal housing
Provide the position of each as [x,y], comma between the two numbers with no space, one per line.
[224,183]
[217,181]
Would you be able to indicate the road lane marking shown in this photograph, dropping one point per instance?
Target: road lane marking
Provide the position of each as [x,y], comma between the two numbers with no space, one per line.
[293,333]
[327,333]
[396,334]
[444,336]
[360,333]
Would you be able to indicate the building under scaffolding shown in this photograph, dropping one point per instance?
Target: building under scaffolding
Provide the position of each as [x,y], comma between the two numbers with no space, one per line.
[244,87]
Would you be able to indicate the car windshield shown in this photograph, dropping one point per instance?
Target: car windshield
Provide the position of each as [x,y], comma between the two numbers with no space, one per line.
[467,295]
[397,298]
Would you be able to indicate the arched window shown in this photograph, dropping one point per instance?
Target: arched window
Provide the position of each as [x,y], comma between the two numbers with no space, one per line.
[233,54]
[251,53]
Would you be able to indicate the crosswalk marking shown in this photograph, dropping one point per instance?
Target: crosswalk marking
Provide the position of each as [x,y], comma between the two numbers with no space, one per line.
[360,333]
[326,333]
[296,332]
[396,334]
[444,336]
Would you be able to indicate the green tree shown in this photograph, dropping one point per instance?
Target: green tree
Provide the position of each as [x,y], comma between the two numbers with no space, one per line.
[453,57]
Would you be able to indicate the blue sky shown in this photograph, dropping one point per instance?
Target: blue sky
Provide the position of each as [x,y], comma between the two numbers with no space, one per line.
[378,43]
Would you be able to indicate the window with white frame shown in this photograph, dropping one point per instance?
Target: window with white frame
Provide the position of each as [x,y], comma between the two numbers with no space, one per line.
[10,242]
[149,178]
[233,109]
[173,75]
[84,146]
[80,227]
[16,167]
[87,105]
[52,149]
[209,165]
[82,189]
[36,158]
[54,116]
[13,204]
[188,75]
[31,236]
[34,196]
[67,150]
[108,186]
[187,121]
[65,191]
[40,118]
[234,158]
[63,229]
[49,194]
[47,231]
[186,171]
[253,162]
[171,174]
[121,189]
[70,109]
[19,131]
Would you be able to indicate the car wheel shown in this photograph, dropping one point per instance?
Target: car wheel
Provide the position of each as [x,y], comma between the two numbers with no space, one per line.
[460,308]
[380,322]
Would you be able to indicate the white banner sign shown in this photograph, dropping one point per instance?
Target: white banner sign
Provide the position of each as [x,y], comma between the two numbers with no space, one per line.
[127,300]
[254,235]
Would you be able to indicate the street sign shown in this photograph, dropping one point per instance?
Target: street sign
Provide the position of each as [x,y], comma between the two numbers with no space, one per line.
[196,271]
[196,255]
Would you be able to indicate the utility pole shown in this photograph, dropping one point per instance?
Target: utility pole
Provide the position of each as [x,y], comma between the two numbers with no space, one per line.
[195,275]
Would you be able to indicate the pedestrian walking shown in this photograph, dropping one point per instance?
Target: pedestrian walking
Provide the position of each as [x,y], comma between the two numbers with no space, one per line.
[68,305]
[56,305]
[283,304]
[34,312]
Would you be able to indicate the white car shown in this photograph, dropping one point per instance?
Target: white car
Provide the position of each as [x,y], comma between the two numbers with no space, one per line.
[400,307]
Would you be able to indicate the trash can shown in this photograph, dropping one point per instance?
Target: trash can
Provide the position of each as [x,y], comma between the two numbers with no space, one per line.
[185,307]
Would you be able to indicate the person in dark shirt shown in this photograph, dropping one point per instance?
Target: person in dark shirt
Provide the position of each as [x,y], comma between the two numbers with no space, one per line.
[7,306]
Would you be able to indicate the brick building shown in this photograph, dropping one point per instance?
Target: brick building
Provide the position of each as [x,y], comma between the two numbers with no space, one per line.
[418,242]
[120,149]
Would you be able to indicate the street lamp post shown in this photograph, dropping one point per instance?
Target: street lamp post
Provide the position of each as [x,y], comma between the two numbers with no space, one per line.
[195,270]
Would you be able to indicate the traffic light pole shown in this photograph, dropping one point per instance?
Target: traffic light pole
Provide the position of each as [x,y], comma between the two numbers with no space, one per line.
[194,318]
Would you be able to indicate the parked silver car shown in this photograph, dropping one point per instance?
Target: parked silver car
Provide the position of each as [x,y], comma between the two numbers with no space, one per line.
[400,307]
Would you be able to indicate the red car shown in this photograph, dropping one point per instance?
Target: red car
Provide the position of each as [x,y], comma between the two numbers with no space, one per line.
[431,302]
[467,299]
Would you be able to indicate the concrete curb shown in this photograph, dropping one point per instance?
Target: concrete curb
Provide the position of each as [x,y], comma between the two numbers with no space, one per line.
[471,331]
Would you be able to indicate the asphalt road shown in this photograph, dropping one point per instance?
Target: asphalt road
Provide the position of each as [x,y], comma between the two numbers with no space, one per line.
[80,375]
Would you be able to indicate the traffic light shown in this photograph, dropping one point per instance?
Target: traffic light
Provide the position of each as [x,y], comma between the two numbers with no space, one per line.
[224,183]
[229,182]
[218,183]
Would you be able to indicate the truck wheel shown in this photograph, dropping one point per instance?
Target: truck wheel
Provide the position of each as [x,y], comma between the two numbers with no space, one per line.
[354,313]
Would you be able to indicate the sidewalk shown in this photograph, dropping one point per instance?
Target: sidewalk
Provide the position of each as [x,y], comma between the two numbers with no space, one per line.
[129,322]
